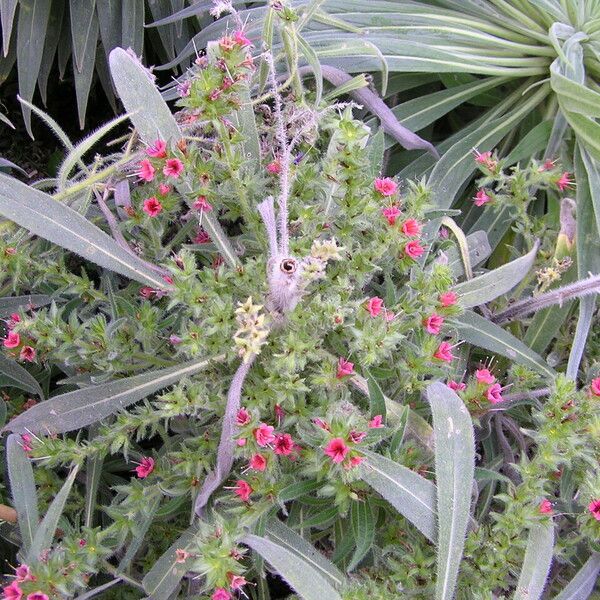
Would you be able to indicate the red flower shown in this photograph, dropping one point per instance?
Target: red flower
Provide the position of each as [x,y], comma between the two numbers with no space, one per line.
[284,444]
[173,168]
[564,181]
[152,207]
[481,198]
[494,393]
[484,376]
[14,319]
[545,507]
[264,435]
[595,386]
[448,299]
[391,213]
[274,167]
[345,367]
[164,189]
[411,228]
[27,353]
[221,594]
[13,591]
[444,352]
[456,386]
[145,467]
[146,171]
[258,462]
[374,306]
[355,461]
[243,490]
[433,324]
[336,449]
[203,204]
[201,237]
[413,249]
[242,418]
[386,187]
[157,150]
[12,340]
[376,422]
[594,508]
[147,292]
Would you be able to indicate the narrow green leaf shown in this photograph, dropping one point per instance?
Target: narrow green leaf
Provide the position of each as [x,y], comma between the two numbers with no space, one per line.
[410,494]
[305,579]
[23,492]
[315,65]
[246,124]
[83,75]
[375,151]
[82,18]
[481,332]
[143,523]
[295,490]
[44,533]
[93,473]
[132,25]
[454,473]
[376,396]
[7,16]
[285,537]
[536,564]
[362,521]
[12,374]
[582,585]
[50,46]
[79,408]
[533,142]
[497,282]
[42,215]
[12,304]
[109,20]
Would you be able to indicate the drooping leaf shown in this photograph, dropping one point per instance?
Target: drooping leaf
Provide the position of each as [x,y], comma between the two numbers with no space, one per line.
[79,408]
[454,473]
[83,75]
[315,65]
[308,582]
[23,492]
[12,374]
[42,215]
[410,494]
[362,521]
[582,585]
[536,564]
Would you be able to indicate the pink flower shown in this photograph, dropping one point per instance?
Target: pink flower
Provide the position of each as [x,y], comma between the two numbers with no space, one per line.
[485,159]
[355,461]
[147,292]
[448,299]
[12,340]
[595,386]
[158,149]
[201,237]
[152,207]
[26,442]
[545,507]
[284,444]
[433,324]
[181,555]
[202,204]
[146,170]
[345,367]
[494,393]
[444,352]
[594,508]
[357,436]
[242,418]
[23,573]
[37,596]
[13,591]
[164,189]
[145,467]
[258,462]
[481,198]
[548,165]
[264,435]
[386,187]
[484,376]
[27,353]
[322,424]
[413,249]
[456,386]
[14,319]
[564,181]
[236,582]
[279,413]
[243,490]
[391,213]
[173,168]
[411,227]
[274,167]
[242,442]
[376,422]
[388,315]
[220,594]
[336,449]
[175,339]
[374,306]
[240,39]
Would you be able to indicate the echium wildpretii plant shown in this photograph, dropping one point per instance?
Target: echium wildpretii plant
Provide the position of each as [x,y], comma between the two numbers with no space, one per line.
[284,309]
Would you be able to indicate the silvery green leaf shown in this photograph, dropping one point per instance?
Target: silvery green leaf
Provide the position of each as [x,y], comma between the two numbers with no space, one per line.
[537,561]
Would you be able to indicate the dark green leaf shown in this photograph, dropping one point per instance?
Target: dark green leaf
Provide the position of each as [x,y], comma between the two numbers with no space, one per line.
[12,374]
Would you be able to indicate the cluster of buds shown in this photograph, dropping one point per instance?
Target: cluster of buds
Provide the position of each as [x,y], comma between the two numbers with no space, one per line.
[321,252]
[481,390]
[15,343]
[252,330]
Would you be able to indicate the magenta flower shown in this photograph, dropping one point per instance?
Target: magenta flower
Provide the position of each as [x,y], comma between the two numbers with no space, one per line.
[37,596]
[322,424]
[158,149]
[173,168]
[236,582]
[444,352]
[23,573]
[456,386]
[357,436]
[181,555]
[564,181]
[448,299]
[411,228]
[240,39]
[145,467]
[594,508]
[484,376]
[220,594]
[152,206]
[201,237]
[374,306]
[274,167]
[243,490]
[595,386]
[376,422]
[494,393]
[258,462]
[433,324]
[13,591]
[545,507]
[391,213]
[12,340]
[485,159]
[26,442]
[242,418]
[413,249]
[27,353]
[14,319]
[284,444]
[481,198]
[336,449]
[263,435]
[345,368]
[146,171]
[164,189]
[202,204]
[355,461]
[386,187]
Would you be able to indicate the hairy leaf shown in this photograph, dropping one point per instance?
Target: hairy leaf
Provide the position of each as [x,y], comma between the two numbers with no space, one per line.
[536,564]
[12,374]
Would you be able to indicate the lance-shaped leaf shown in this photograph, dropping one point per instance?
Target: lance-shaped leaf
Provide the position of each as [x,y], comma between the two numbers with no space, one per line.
[495,283]
[454,473]
[410,494]
[308,582]
[22,487]
[582,585]
[81,408]
[362,521]
[12,304]
[44,216]
[536,564]
[12,374]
